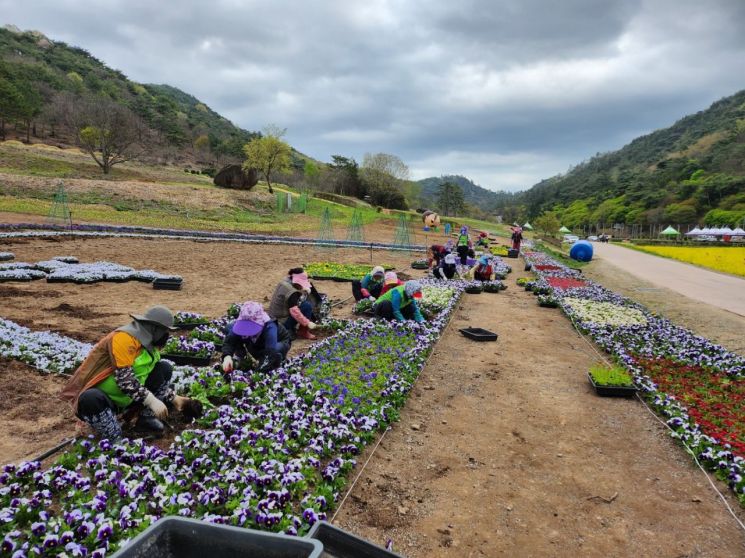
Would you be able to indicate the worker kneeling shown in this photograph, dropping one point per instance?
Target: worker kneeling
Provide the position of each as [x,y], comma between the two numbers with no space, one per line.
[370,285]
[254,341]
[400,303]
[123,370]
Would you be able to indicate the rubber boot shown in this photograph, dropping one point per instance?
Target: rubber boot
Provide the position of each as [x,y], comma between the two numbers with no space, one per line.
[105,424]
[304,333]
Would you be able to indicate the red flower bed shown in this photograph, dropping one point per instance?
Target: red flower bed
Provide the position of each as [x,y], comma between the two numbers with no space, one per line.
[546,267]
[565,283]
[713,399]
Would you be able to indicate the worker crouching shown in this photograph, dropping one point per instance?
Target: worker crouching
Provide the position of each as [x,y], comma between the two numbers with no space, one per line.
[296,304]
[400,303]
[124,370]
[254,341]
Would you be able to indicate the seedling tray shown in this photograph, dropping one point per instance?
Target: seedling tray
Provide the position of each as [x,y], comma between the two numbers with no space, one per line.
[478,334]
[189,325]
[612,391]
[511,253]
[337,543]
[167,284]
[186,360]
[174,537]
[474,290]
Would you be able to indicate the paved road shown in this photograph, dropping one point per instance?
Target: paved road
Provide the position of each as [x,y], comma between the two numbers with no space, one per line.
[717,289]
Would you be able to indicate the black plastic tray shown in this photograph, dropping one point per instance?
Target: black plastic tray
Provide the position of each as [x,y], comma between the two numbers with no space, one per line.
[167,284]
[478,334]
[184,360]
[474,290]
[190,326]
[176,537]
[612,391]
[511,253]
[337,543]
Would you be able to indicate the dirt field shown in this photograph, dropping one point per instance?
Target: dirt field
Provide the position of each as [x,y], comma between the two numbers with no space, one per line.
[501,450]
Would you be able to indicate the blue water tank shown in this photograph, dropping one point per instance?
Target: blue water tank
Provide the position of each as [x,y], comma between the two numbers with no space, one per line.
[581,251]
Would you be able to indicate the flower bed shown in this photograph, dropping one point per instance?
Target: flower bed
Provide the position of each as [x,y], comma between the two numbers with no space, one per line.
[565,283]
[590,313]
[63,269]
[696,385]
[187,346]
[342,272]
[188,319]
[19,230]
[44,350]
[272,453]
[21,275]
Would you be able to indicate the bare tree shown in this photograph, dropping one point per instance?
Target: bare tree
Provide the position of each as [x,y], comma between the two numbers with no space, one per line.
[110,133]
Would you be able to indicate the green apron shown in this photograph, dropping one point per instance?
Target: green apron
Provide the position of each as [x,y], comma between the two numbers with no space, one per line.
[142,367]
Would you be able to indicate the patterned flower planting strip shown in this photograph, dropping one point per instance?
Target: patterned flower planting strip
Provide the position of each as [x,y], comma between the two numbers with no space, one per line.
[695,385]
[273,451]
[84,230]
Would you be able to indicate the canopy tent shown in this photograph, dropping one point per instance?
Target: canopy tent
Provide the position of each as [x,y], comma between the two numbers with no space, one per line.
[725,230]
[738,232]
[527,226]
[564,230]
[694,231]
[670,231]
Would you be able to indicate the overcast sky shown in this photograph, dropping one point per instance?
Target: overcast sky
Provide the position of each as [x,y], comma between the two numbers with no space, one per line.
[505,92]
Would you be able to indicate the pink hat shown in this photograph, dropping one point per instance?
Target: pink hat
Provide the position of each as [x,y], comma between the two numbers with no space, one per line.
[391,277]
[301,279]
[251,320]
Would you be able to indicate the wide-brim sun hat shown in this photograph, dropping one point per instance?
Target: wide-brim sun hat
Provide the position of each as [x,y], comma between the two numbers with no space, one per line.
[391,277]
[413,289]
[160,315]
[378,271]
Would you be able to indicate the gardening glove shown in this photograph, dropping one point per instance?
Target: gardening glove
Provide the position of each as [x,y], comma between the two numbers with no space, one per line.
[312,325]
[372,298]
[227,363]
[158,408]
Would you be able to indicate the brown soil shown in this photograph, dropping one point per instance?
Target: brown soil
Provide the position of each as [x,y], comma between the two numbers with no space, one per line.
[32,419]
[502,448]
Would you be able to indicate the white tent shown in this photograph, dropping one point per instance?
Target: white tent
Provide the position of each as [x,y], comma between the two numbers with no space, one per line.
[738,232]
[707,230]
[694,231]
[725,230]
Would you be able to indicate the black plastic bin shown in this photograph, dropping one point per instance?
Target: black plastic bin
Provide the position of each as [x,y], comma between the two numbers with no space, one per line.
[176,537]
[478,334]
[512,253]
[167,284]
[337,543]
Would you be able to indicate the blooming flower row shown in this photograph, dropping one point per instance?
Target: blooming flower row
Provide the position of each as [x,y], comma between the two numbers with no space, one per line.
[88,230]
[272,451]
[696,385]
[49,352]
[63,270]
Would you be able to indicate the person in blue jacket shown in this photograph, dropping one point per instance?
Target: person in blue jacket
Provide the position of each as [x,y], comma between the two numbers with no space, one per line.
[370,285]
[400,303]
[256,340]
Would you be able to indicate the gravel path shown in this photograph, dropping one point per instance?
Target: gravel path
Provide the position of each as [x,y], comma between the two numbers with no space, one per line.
[724,291]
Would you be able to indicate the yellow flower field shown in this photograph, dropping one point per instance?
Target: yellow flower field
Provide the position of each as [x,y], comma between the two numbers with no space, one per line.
[728,260]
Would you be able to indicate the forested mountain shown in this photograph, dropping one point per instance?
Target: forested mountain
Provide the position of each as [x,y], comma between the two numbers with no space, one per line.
[39,77]
[693,171]
[487,201]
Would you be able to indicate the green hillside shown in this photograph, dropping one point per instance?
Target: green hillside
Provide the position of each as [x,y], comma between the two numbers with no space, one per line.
[693,171]
[475,195]
[38,75]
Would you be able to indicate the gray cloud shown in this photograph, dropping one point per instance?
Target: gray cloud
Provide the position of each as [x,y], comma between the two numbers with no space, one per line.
[505,92]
